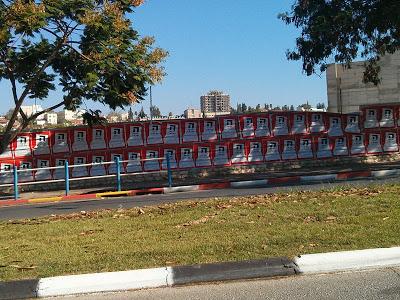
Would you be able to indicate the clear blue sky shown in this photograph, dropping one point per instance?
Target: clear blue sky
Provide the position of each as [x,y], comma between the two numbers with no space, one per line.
[235,46]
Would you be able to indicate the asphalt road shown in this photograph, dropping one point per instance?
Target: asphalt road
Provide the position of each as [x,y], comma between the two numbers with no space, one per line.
[38,210]
[365,285]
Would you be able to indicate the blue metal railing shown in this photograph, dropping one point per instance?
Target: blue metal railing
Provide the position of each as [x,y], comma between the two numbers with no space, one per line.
[16,182]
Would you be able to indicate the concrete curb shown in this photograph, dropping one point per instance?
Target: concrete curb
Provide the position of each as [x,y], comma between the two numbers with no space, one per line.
[192,274]
[341,176]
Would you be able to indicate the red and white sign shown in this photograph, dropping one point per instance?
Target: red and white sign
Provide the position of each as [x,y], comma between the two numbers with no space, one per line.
[6,168]
[228,128]
[134,157]
[324,147]
[221,154]
[238,151]
[387,119]
[273,150]
[390,141]
[59,161]
[8,153]
[191,131]
[136,135]
[374,143]
[371,117]
[352,124]
[248,125]
[112,168]
[152,162]
[171,152]
[340,147]
[209,130]
[203,154]
[262,126]
[317,122]
[77,160]
[186,158]
[41,142]
[22,165]
[116,134]
[98,138]
[305,147]
[299,123]
[80,139]
[171,132]
[98,168]
[357,144]
[256,153]
[288,148]
[153,130]
[22,145]
[280,124]
[43,162]
[335,125]
[60,141]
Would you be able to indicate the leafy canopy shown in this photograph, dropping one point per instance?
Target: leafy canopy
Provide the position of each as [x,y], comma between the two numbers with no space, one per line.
[344,30]
[87,48]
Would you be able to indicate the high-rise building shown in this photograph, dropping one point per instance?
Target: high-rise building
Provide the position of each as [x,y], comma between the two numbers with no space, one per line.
[347,91]
[215,103]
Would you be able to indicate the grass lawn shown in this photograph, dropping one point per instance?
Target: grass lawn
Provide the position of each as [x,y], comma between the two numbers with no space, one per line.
[222,229]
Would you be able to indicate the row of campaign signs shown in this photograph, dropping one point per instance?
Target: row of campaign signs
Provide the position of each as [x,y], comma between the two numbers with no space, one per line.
[222,141]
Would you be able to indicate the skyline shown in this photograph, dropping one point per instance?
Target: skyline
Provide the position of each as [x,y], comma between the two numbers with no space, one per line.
[237,48]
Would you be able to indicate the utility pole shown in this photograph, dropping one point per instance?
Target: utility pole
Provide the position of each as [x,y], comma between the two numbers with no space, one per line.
[151,107]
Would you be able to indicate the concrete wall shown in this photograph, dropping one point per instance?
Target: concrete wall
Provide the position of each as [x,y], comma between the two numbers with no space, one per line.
[346,85]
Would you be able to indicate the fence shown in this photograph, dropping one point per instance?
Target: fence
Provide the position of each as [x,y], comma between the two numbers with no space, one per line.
[15,172]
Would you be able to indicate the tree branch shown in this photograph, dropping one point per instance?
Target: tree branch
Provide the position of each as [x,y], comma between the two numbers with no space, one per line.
[34,116]
[79,53]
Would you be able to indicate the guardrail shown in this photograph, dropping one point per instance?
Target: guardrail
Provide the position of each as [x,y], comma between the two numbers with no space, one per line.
[66,167]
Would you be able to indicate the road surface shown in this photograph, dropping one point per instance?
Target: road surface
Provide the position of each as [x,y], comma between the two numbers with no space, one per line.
[38,210]
[365,285]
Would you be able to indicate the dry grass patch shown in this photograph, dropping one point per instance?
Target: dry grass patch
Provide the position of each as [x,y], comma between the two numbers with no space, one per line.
[218,229]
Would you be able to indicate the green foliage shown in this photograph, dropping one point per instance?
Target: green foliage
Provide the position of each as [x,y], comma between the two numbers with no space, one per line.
[88,48]
[343,30]
[155,111]
[142,114]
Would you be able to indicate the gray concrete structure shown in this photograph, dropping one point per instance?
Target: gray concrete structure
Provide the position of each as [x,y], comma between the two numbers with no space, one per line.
[215,103]
[347,92]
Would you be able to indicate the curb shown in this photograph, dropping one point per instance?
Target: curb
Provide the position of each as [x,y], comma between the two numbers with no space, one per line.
[260,183]
[192,274]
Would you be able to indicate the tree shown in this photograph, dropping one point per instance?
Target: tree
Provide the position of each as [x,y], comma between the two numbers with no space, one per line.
[170,114]
[86,47]
[292,107]
[130,114]
[258,108]
[155,111]
[142,114]
[321,105]
[343,30]
[244,108]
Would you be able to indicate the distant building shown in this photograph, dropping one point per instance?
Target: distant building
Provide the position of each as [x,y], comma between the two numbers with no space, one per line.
[3,121]
[74,117]
[51,118]
[347,91]
[30,110]
[215,103]
[192,113]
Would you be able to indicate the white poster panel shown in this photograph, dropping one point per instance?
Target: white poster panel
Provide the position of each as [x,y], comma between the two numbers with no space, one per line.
[78,171]
[61,142]
[374,143]
[281,126]
[80,141]
[262,129]
[289,150]
[387,119]
[221,155]
[186,160]
[340,147]
[117,139]
[305,148]
[42,173]
[371,119]
[23,146]
[203,157]
[209,131]
[229,130]
[112,169]
[25,175]
[323,148]
[238,154]
[299,124]
[272,151]
[98,168]
[6,177]
[154,134]
[335,126]
[172,159]
[98,139]
[42,144]
[255,152]
[59,173]
[135,136]
[134,164]
[317,123]
[357,144]
[153,164]
[390,142]
[248,127]
[172,134]
[352,125]
[190,134]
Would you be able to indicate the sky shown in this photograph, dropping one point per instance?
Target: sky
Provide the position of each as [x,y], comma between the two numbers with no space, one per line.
[232,46]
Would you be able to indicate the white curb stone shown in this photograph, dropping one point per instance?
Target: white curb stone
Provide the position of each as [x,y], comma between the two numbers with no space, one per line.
[348,260]
[251,183]
[385,173]
[177,189]
[318,177]
[103,282]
